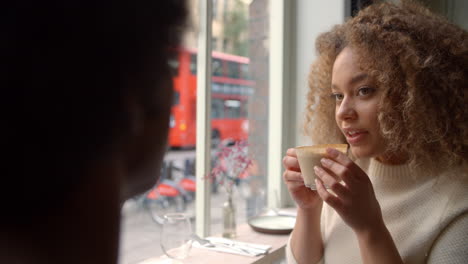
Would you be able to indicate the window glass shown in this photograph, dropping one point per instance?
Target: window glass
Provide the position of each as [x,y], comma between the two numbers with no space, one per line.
[217,67]
[233,70]
[243,110]
[193,64]
[214,43]
[232,108]
[243,33]
[239,111]
[215,9]
[176,98]
[217,108]
[244,70]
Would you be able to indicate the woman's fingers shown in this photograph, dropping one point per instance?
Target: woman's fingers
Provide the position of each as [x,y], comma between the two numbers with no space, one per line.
[332,183]
[291,152]
[340,158]
[343,167]
[343,173]
[293,179]
[291,163]
[292,176]
[295,185]
[327,197]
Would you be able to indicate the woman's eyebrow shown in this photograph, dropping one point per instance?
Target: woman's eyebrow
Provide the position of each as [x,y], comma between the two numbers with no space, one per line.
[358,78]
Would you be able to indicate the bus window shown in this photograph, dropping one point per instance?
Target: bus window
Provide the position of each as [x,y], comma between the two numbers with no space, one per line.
[193,64]
[174,66]
[233,70]
[217,66]
[176,98]
[244,69]
[217,108]
[232,108]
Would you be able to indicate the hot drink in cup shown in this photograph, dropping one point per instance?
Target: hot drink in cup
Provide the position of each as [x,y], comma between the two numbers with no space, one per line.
[310,156]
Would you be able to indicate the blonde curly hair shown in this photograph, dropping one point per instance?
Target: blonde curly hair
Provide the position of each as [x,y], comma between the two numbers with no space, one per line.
[421,61]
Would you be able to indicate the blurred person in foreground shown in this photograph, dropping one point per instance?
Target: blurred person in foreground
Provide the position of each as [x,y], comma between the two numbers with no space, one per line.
[392,83]
[88,90]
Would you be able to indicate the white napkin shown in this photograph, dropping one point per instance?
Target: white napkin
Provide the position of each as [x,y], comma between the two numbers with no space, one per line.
[255,249]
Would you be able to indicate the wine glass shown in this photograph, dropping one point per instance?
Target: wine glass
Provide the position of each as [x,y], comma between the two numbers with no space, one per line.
[175,235]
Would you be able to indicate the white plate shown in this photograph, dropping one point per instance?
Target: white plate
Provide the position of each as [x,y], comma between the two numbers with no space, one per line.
[273,224]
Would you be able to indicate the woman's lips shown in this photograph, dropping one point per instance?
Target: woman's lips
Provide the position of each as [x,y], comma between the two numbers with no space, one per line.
[355,136]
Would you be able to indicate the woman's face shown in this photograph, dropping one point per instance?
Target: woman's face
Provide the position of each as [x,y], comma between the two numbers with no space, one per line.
[357,102]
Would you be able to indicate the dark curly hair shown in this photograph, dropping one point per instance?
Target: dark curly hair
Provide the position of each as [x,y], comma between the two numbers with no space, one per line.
[68,71]
[421,60]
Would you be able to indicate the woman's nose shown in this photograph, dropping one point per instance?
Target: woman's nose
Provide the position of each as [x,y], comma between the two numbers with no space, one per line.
[346,110]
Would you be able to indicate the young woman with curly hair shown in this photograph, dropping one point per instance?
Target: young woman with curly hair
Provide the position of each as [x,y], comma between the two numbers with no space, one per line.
[395,79]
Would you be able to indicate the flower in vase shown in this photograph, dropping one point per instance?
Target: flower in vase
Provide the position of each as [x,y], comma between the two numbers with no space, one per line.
[231,163]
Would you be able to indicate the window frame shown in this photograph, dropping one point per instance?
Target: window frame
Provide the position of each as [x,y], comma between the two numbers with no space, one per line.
[203,142]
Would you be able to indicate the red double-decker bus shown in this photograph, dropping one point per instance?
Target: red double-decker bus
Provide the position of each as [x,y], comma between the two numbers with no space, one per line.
[231,87]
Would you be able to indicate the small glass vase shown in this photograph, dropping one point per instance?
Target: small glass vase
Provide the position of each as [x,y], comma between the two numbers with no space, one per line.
[229,218]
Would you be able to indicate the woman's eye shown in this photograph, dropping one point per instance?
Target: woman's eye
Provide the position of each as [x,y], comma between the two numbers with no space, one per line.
[365,91]
[337,96]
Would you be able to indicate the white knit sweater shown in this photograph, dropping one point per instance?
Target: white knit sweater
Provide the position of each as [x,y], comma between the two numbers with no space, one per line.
[426,216]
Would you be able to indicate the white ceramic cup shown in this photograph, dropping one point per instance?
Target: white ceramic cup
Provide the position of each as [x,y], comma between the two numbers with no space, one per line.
[310,156]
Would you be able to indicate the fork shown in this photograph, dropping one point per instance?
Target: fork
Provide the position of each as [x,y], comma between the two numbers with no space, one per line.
[202,241]
[206,243]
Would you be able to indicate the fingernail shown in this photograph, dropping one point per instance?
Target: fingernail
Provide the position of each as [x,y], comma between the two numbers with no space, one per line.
[325,161]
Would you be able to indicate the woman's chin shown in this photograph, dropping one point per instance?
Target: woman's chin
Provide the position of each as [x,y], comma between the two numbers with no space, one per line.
[361,153]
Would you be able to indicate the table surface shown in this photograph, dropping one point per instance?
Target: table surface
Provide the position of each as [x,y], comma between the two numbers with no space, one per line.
[245,234]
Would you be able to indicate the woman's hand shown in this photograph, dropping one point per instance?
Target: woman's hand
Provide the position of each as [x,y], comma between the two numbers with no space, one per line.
[306,239]
[355,200]
[304,197]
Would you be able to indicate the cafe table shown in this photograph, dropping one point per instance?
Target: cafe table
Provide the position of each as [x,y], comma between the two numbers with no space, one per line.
[245,233]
